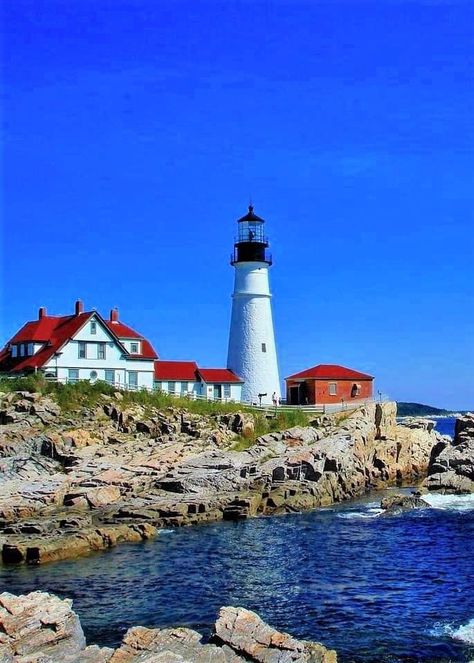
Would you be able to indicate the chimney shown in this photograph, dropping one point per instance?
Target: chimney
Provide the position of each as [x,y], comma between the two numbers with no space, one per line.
[114,315]
[41,313]
[79,307]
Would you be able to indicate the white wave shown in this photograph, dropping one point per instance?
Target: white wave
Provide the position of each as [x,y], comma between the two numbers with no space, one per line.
[450,502]
[368,510]
[465,632]
[360,514]
[166,531]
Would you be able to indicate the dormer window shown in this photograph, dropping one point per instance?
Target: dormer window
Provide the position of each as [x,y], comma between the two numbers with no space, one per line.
[134,348]
[93,327]
[14,350]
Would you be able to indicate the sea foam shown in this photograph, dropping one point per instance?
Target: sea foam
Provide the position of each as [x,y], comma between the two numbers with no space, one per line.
[371,510]
[464,633]
[450,502]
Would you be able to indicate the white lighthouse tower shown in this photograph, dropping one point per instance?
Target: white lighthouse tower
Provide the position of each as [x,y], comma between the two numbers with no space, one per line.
[252,352]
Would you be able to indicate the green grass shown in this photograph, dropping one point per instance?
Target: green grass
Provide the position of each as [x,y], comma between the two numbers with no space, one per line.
[242,443]
[72,397]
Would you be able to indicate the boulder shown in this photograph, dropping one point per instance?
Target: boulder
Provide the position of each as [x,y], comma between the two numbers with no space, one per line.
[41,627]
[248,635]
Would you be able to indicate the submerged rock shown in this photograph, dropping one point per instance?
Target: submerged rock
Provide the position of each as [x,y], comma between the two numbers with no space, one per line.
[398,503]
[40,627]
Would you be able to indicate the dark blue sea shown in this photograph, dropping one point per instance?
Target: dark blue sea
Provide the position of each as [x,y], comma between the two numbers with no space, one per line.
[375,588]
[445,425]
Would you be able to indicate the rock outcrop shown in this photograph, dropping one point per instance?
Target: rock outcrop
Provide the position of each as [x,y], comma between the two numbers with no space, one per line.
[41,627]
[118,473]
[451,467]
[395,504]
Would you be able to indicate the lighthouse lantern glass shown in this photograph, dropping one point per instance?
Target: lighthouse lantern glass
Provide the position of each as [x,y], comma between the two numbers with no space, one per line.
[251,231]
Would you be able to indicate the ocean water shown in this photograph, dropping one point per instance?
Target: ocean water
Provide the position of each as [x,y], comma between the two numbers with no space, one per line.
[375,588]
[445,425]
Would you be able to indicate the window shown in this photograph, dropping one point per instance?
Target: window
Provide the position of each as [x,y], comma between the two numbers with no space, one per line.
[31,349]
[332,388]
[264,347]
[134,348]
[184,387]
[355,391]
[93,376]
[158,385]
[132,378]
[109,376]
[82,350]
[73,375]
[22,350]
[172,387]
[100,350]
[93,327]
[14,350]
[227,391]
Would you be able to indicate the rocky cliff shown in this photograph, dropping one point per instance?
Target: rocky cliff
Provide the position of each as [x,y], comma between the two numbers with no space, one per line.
[451,467]
[41,627]
[86,482]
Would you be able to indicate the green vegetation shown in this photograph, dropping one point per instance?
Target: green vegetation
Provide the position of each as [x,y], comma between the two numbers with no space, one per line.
[83,393]
[70,397]
[243,443]
[419,410]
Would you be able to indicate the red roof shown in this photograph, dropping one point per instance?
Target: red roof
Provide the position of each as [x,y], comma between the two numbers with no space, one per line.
[330,372]
[55,331]
[121,330]
[176,370]
[125,332]
[218,375]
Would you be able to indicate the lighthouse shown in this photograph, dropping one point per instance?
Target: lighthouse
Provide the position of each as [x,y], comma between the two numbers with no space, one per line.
[252,351]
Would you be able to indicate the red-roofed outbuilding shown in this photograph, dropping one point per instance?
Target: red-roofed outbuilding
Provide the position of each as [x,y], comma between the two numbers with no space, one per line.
[328,383]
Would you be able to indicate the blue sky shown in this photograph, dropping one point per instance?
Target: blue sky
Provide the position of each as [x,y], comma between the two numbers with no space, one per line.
[135,132]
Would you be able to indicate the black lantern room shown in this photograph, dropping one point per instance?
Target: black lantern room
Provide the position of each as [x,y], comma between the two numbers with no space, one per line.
[251,244]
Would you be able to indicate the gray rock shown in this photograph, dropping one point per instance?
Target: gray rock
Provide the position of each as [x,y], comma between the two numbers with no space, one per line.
[451,467]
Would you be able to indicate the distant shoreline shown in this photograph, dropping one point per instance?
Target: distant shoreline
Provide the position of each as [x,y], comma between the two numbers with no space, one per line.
[450,415]
[405,409]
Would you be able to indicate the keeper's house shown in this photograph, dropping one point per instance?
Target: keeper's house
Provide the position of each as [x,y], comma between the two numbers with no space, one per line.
[85,346]
[328,383]
[81,346]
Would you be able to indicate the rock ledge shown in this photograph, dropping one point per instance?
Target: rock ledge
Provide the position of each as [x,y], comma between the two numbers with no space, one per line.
[41,628]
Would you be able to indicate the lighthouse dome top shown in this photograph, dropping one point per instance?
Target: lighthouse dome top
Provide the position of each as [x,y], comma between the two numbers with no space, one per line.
[251,216]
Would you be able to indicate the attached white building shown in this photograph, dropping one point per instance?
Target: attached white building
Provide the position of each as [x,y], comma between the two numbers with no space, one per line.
[82,346]
[184,378]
